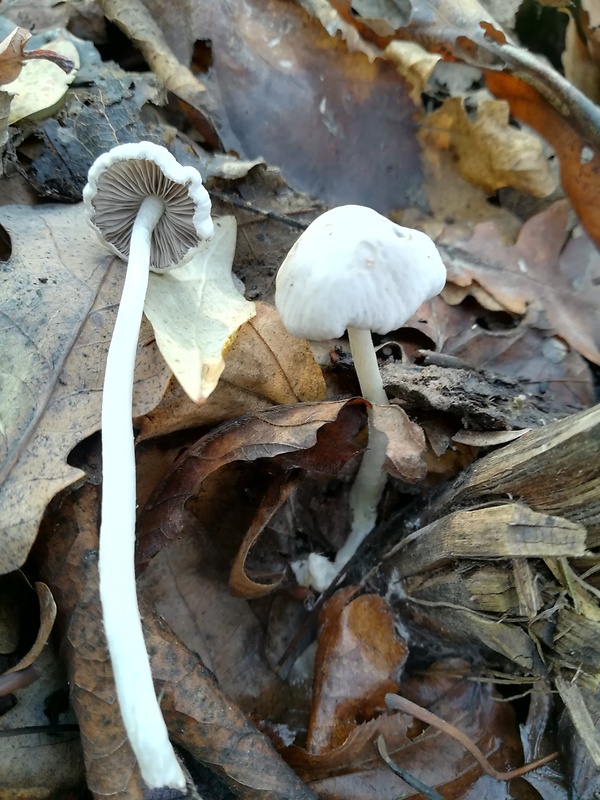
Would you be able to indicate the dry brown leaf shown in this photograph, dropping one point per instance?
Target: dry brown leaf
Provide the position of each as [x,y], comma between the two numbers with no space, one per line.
[286,90]
[353,770]
[240,583]
[187,583]
[545,269]
[58,307]
[47,618]
[405,446]
[264,366]
[358,652]
[200,717]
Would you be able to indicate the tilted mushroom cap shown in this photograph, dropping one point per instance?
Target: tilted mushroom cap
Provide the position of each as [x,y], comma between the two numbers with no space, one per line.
[352,267]
[118,183]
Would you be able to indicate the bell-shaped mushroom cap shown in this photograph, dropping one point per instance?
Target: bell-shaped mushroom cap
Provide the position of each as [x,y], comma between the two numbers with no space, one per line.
[118,183]
[352,267]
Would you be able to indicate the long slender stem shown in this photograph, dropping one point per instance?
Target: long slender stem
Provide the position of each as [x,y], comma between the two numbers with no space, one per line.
[141,713]
[370,479]
[317,570]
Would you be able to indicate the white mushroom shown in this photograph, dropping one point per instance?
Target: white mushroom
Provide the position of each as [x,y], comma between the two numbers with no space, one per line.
[353,269]
[148,209]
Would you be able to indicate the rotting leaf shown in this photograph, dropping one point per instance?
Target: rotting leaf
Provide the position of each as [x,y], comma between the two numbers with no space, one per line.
[354,770]
[187,583]
[358,652]
[58,303]
[95,117]
[285,434]
[264,366]
[196,311]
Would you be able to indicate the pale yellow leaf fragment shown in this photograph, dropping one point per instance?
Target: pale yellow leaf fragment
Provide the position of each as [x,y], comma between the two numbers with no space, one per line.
[489,151]
[196,311]
[41,85]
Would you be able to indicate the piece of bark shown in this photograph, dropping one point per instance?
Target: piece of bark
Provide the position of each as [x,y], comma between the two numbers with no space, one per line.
[488,589]
[580,724]
[554,469]
[467,626]
[510,530]
[479,400]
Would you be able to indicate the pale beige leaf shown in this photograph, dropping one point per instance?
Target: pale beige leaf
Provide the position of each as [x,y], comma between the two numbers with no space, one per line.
[265,366]
[196,311]
[41,85]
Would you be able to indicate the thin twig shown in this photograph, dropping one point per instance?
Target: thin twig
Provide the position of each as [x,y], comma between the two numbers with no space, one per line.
[398,703]
[50,730]
[425,790]
[11,681]
[274,215]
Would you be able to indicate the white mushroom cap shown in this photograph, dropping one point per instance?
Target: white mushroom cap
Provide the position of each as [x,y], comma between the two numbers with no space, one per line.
[120,180]
[352,267]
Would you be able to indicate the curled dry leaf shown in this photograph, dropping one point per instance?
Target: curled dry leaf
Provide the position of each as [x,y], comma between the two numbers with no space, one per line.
[489,152]
[47,618]
[290,436]
[405,443]
[196,311]
[240,582]
[26,620]
[12,55]
[58,304]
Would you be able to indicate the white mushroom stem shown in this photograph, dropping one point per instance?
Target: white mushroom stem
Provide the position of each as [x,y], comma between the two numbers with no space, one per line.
[366,366]
[371,478]
[369,483]
[139,707]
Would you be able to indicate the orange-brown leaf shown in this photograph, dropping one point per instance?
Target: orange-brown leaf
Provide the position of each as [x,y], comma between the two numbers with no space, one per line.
[358,653]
